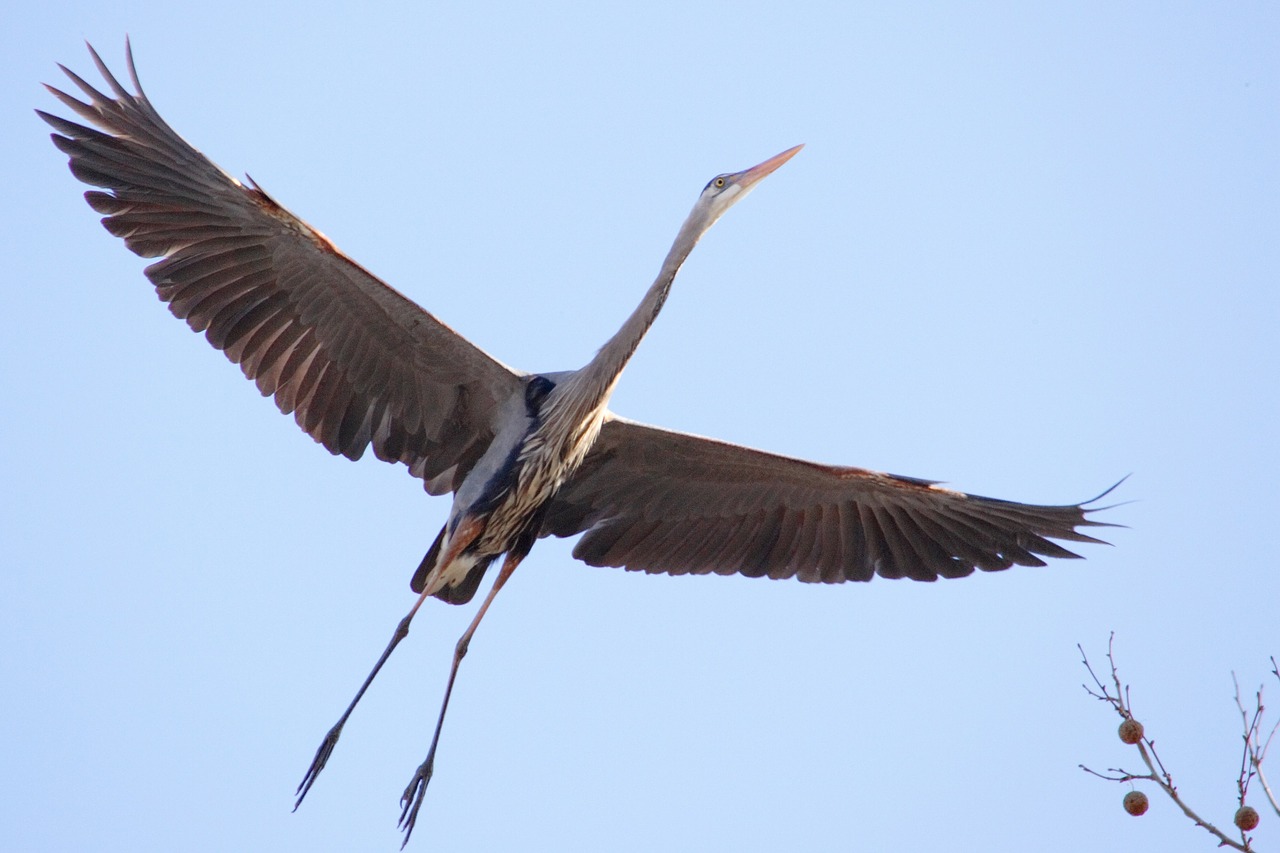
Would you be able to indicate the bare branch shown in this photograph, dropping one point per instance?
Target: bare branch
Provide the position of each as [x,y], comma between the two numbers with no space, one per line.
[1120,701]
[1266,789]
[1249,755]
[1260,751]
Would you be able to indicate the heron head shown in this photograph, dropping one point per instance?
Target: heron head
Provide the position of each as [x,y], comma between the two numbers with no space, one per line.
[723,191]
[720,194]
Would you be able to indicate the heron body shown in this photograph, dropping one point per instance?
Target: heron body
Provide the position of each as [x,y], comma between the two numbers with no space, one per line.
[525,455]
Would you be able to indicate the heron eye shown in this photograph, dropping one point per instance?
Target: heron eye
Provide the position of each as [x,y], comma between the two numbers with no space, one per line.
[719,182]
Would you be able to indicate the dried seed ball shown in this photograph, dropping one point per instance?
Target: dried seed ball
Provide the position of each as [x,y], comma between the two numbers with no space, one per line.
[1131,731]
[1247,818]
[1135,803]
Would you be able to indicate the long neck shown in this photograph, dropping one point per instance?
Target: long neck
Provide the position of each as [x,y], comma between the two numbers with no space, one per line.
[592,386]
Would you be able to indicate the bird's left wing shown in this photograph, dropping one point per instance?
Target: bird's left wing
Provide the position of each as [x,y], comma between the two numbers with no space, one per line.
[659,501]
[357,363]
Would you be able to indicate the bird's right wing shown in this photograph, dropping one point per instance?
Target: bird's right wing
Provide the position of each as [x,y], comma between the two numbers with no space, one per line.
[659,501]
[357,363]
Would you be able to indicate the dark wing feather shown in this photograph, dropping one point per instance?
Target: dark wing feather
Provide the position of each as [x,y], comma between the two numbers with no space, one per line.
[659,501]
[356,363]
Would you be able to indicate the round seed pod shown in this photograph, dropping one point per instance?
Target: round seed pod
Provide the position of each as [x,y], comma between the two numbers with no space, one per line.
[1135,803]
[1131,731]
[1247,818]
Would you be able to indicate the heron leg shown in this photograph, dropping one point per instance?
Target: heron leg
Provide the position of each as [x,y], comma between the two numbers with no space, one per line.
[411,800]
[331,739]
[466,534]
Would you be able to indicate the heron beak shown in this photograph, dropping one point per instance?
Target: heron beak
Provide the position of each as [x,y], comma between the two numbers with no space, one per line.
[748,178]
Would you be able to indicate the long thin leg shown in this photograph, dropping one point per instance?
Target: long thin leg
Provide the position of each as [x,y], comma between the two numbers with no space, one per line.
[465,535]
[331,739]
[411,800]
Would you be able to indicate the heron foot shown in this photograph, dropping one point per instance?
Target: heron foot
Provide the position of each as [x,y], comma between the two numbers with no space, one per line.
[318,763]
[411,800]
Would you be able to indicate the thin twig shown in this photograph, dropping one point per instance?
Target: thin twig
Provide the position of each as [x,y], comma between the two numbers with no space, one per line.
[1249,755]
[1260,751]
[1266,789]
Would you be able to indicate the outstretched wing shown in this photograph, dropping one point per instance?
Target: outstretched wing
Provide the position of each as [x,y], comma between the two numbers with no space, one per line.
[658,501]
[356,363]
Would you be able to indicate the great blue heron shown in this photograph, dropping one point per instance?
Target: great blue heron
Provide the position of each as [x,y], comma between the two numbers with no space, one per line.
[525,455]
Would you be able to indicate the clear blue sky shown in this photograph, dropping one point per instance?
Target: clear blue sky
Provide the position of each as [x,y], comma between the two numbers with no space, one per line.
[1027,250]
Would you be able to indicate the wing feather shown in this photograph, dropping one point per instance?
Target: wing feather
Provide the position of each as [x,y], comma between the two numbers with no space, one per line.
[659,501]
[357,363]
